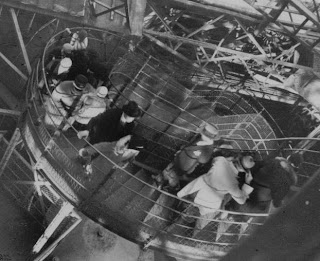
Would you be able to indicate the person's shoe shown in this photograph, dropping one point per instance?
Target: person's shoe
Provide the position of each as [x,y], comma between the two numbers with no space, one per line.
[170,189]
[158,180]
[88,170]
[84,157]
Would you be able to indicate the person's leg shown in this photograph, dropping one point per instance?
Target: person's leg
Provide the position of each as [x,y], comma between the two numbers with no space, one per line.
[85,160]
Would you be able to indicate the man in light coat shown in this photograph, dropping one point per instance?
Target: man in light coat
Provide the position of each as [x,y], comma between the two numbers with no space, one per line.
[91,105]
[65,99]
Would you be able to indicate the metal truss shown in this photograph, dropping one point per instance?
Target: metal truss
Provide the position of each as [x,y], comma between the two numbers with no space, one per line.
[188,34]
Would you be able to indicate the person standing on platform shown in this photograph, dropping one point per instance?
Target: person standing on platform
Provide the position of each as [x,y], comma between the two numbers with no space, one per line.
[112,125]
[190,157]
[65,100]
[92,104]
[79,40]
[210,189]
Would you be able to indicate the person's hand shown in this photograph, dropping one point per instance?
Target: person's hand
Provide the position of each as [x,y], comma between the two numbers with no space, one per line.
[124,140]
[83,134]
[248,177]
[121,144]
[68,30]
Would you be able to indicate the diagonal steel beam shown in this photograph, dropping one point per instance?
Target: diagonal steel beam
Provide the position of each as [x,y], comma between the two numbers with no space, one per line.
[15,68]
[306,12]
[109,10]
[225,50]
[7,154]
[20,38]
[10,112]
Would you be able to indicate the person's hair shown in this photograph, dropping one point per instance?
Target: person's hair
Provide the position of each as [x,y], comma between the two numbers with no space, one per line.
[131,109]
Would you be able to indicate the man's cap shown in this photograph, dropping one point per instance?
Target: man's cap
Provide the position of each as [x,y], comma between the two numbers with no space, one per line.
[247,162]
[132,109]
[209,131]
[80,82]
[102,91]
[64,65]
[67,48]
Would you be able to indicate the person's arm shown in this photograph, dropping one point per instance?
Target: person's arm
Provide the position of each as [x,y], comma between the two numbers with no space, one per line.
[278,191]
[74,38]
[241,195]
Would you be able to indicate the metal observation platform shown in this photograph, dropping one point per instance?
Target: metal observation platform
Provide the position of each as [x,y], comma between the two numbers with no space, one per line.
[175,98]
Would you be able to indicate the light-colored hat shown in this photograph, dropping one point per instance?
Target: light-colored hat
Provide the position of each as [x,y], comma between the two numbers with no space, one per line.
[226,146]
[209,131]
[247,162]
[102,91]
[64,65]
[67,48]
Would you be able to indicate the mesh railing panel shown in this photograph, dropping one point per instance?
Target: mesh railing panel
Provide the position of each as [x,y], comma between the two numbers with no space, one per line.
[126,200]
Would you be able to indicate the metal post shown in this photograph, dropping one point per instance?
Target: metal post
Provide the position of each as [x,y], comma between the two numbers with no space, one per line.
[62,214]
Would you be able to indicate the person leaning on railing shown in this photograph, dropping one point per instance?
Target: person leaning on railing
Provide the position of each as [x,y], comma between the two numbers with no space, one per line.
[65,100]
[79,39]
[109,126]
[221,180]
[91,105]
[188,158]
[272,179]
[57,62]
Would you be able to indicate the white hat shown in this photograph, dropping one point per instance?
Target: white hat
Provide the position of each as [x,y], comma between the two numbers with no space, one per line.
[67,48]
[226,146]
[209,131]
[102,91]
[247,162]
[64,65]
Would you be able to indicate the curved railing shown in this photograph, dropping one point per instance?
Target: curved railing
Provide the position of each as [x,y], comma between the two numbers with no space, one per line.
[126,200]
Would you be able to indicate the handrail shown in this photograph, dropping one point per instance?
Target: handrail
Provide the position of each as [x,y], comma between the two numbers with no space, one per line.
[50,43]
[153,215]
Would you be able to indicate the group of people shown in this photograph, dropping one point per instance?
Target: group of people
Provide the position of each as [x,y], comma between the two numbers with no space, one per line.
[84,104]
[74,58]
[216,177]
[213,176]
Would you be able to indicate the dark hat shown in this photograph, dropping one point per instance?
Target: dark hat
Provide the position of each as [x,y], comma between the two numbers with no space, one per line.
[80,81]
[131,109]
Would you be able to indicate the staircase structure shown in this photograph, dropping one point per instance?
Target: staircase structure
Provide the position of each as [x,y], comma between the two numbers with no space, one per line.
[180,78]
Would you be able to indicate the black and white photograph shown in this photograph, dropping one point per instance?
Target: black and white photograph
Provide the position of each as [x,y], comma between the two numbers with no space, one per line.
[159,130]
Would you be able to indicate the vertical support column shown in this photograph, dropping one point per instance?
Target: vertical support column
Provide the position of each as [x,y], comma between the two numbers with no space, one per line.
[20,38]
[136,16]
[12,144]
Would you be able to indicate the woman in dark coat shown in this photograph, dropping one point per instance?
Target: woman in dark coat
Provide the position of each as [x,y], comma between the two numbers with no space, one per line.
[272,179]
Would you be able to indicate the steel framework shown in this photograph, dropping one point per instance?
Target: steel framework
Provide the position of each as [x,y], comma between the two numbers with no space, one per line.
[166,25]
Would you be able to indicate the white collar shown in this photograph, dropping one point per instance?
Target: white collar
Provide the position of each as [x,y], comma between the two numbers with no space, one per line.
[204,142]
